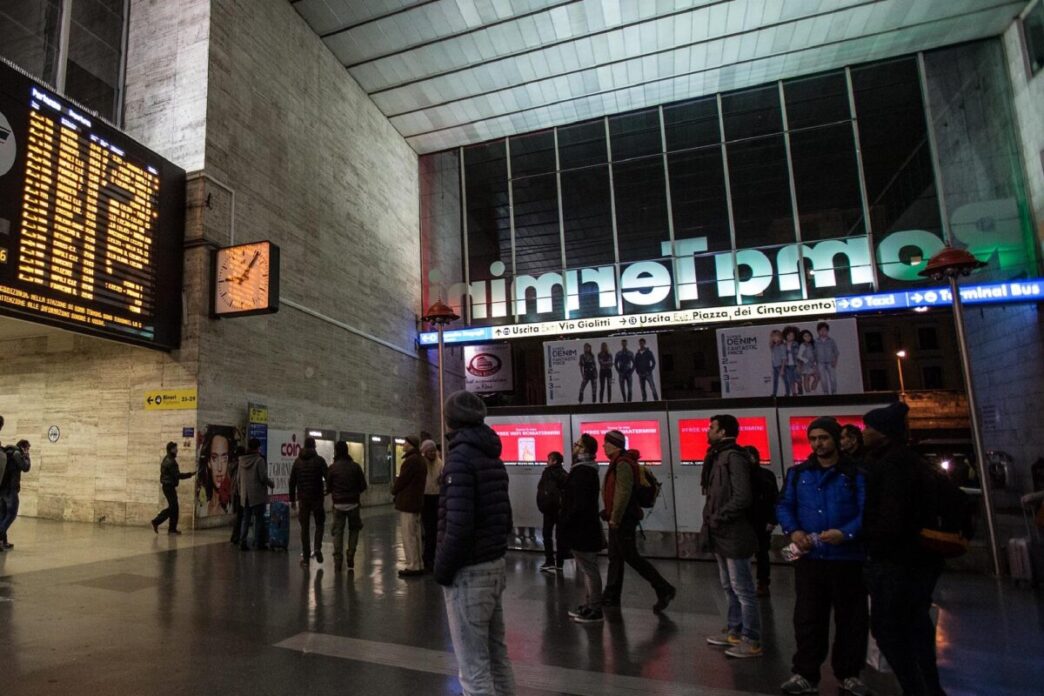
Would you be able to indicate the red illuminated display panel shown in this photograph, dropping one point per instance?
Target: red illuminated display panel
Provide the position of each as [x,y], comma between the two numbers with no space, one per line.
[528,443]
[643,436]
[692,433]
[799,448]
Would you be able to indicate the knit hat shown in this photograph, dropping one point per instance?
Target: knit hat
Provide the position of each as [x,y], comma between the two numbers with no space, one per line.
[463,409]
[427,445]
[413,440]
[830,425]
[889,421]
[616,438]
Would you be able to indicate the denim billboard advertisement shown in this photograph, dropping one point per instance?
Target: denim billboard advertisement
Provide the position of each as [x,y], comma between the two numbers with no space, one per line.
[617,369]
[795,359]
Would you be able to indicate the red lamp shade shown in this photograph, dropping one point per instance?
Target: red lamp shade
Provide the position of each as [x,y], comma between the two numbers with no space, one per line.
[440,313]
[950,261]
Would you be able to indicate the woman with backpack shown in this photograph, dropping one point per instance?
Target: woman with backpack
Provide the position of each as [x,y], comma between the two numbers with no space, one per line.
[549,502]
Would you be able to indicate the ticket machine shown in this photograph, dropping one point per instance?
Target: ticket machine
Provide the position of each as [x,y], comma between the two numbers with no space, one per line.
[645,431]
[526,442]
[758,427]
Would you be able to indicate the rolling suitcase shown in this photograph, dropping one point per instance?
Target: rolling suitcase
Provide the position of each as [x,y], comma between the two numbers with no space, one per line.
[1026,554]
[278,525]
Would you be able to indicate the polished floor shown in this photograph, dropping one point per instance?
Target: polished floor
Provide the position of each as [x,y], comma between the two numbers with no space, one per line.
[90,609]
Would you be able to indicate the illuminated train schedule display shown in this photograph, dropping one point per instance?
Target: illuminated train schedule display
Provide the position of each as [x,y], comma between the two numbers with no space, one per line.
[91,223]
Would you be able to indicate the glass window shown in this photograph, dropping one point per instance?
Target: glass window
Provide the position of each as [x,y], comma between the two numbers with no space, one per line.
[874,341]
[29,35]
[538,247]
[641,208]
[1033,31]
[532,154]
[816,101]
[826,180]
[760,184]
[751,113]
[897,162]
[95,51]
[927,338]
[587,217]
[488,214]
[698,201]
[878,379]
[582,144]
[932,376]
[635,134]
[692,124]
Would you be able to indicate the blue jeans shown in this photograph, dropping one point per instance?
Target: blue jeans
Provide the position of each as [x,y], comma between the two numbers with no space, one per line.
[8,512]
[737,579]
[476,622]
[828,375]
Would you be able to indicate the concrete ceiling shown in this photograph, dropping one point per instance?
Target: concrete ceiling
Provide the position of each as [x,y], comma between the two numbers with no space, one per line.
[451,72]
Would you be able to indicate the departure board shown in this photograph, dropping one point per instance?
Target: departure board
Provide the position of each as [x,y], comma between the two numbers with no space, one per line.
[91,222]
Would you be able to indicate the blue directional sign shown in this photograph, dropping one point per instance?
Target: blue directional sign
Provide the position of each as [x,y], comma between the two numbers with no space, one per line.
[1030,290]
[480,333]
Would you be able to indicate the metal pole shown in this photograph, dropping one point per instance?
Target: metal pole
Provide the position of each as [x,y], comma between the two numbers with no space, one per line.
[902,387]
[442,398]
[976,428]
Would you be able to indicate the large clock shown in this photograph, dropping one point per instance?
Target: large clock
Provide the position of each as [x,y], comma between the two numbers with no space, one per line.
[246,280]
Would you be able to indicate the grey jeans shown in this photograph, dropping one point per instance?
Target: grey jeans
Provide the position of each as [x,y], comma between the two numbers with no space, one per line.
[476,622]
[587,567]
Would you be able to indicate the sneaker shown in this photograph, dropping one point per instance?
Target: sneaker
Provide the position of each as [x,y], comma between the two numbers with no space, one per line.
[662,600]
[548,568]
[350,563]
[746,648]
[856,687]
[589,615]
[724,639]
[798,685]
[573,613]
[318,556]
[155,528]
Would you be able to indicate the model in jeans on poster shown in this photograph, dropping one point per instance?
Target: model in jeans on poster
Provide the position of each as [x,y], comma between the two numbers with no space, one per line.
[588,373]
[826,358]
[605,374]
[474,523]
[729,535]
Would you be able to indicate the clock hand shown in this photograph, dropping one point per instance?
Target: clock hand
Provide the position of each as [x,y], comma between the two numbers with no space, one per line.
[250,266]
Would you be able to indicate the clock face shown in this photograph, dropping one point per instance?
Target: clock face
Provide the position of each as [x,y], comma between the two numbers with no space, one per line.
[243,278]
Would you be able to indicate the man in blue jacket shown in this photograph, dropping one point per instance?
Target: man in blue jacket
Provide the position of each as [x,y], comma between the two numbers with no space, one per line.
[624,364]
[821,508]
[474,522]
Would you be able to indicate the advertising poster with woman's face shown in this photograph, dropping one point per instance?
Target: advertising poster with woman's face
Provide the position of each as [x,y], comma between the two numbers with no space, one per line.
[213,473]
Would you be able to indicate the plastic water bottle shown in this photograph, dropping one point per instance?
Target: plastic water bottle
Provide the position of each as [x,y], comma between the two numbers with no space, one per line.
[791,552]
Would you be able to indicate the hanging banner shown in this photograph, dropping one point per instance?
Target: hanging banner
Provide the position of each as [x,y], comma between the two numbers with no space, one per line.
[284,446]
[488,368]
[796,359]
[619,369]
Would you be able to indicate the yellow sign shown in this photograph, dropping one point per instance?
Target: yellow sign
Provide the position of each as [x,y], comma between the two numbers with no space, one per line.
[258,414]
[170,399]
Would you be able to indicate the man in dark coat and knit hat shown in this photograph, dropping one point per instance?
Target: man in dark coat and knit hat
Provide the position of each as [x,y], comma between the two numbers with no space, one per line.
[474,522]
[900,575]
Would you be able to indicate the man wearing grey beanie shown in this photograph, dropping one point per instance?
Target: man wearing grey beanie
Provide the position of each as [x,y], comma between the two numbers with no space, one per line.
[474,522]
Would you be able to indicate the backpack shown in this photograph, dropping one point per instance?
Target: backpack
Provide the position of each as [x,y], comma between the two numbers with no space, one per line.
[647,487]
[948,513]
[764,493]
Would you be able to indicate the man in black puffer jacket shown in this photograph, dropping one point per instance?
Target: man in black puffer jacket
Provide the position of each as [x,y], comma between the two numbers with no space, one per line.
[308,485]
[474,521]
